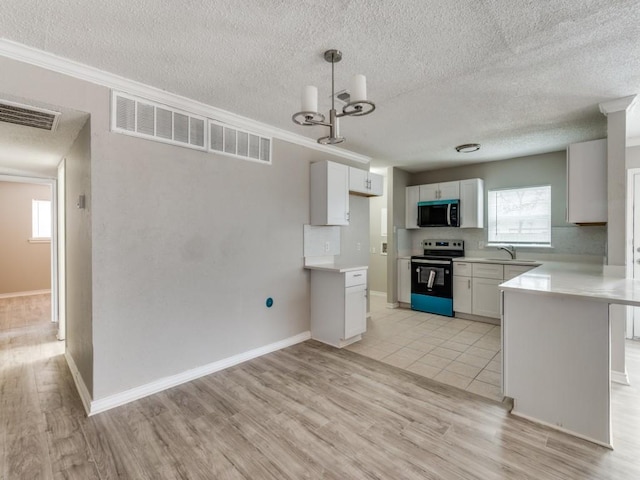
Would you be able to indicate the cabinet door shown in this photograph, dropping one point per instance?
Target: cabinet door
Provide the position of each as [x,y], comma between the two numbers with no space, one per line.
[486,297]
[462,294]
[587,182]
[429,192]
[472,203]
[404,280]
[355,311]
[412,197]
[337,194]
[358,180]
[449,191]
[376,184]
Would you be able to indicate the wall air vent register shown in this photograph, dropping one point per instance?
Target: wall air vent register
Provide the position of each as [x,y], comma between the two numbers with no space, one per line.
[28,116]
[142,118]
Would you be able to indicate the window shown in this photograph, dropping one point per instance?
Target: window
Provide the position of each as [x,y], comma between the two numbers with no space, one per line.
[520,216]
[41,219]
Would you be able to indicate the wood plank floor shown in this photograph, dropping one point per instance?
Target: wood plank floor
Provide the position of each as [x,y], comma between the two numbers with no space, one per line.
[308,411]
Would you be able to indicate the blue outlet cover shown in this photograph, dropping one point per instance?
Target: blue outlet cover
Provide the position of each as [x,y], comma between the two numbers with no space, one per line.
[269,302]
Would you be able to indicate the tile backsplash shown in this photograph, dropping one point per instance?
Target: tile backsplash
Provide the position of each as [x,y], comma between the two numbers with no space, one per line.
[586,243]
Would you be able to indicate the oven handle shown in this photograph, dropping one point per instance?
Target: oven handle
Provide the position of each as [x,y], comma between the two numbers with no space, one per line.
[432,262]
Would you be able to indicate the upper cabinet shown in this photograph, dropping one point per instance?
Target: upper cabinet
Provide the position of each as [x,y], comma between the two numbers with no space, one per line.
[587,182]
[469,192]
[440,191]
[472,203]
[412,197]
[363,182]
[329,193]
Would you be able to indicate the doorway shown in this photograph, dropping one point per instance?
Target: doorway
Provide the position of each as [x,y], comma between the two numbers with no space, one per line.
[29,254]
[633,321]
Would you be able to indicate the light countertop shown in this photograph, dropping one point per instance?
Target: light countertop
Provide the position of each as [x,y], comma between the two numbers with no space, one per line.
[338,268]
[500,261]
[578,280]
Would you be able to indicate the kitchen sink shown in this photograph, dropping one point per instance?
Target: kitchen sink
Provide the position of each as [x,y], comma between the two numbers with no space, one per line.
[508,260]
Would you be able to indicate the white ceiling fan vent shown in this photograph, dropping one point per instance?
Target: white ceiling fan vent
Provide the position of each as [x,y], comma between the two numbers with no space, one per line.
[28,116]
[146,119]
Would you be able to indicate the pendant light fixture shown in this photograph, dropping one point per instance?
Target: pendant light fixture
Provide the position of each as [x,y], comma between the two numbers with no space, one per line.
[358,104]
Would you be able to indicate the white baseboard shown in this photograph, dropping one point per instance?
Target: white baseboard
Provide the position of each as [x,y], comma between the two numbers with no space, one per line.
[377,294]
[393,305]
[83,391]
[620,377]
[24,294]
[118,399]
[561,429]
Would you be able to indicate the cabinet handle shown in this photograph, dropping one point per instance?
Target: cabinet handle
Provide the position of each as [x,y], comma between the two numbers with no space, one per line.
[357,275]
[469,283]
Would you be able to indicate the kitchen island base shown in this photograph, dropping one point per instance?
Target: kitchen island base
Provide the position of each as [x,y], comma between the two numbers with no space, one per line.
[556,362]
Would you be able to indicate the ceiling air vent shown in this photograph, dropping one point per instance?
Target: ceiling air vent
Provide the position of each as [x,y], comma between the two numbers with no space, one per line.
[28,116]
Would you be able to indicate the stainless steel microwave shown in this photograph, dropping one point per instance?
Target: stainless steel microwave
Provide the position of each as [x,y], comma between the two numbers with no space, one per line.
[439,213]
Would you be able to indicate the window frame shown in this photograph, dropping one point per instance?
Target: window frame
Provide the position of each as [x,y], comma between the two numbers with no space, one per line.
[498,243]
[36,221]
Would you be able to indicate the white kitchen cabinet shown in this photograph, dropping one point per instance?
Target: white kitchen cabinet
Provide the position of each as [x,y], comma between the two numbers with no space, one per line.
[462,293]
[338,306]
[512,271]
[440,191]
[412,197]
[363,182]
[587,182]
[404,280]
[329,193]
[472,203]
[486,297]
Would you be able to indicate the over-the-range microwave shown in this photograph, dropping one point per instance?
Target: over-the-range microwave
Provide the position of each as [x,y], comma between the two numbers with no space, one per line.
[439,213]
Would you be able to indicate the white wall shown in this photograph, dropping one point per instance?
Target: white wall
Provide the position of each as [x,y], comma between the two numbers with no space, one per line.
[185,246]
[377,261]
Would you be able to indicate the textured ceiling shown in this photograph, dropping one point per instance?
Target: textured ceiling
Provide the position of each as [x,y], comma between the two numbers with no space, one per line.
[519,77]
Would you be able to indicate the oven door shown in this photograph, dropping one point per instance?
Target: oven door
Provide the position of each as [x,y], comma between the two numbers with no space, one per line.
[432,277]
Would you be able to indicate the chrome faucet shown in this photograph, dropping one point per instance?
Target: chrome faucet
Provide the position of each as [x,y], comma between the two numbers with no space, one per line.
[510,249]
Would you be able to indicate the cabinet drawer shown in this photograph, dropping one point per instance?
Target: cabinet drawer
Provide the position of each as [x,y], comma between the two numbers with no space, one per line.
[462,269]
[487,270]
[357,277]
[512,271]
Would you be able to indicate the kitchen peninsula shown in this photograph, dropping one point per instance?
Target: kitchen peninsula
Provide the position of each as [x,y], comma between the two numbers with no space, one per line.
[556,345]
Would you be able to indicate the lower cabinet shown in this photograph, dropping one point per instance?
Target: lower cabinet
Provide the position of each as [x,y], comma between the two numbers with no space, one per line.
[475,286]
[338,306]
[486,297]
[404,280]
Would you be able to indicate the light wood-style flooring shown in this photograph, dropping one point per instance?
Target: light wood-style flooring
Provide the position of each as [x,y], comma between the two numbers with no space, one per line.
[308,411]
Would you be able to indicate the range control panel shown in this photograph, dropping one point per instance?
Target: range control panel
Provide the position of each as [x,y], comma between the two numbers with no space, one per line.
[438,244]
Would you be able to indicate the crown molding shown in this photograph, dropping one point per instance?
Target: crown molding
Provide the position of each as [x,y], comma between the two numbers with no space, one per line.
[618,105]
[49,61]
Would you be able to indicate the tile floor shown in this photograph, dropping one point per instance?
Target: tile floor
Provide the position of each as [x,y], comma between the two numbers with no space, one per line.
[461,353]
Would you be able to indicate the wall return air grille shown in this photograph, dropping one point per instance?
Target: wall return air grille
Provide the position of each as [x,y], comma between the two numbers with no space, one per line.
[28,116]
[146,119]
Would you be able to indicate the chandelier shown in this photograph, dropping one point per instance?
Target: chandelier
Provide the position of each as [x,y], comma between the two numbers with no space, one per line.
[358,104]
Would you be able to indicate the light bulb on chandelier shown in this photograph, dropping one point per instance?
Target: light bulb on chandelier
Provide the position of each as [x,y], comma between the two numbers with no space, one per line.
[358,104]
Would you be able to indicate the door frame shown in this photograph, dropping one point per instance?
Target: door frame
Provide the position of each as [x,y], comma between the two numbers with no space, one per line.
[54,232]
[633,315]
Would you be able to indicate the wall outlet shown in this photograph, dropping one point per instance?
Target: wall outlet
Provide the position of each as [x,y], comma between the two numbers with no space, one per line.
[373,249]
[481,245]
[358,246]
[327,246]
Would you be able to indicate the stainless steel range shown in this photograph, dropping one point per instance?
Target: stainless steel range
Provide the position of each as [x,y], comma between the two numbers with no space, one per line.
[432,276]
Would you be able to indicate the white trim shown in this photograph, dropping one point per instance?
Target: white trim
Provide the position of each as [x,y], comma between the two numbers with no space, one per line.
[40,58]
[24,294]
[620,377]
[83,391]
[377,294]
[393,305]
[561,429]
[39,240]
[122,398]
[618,105]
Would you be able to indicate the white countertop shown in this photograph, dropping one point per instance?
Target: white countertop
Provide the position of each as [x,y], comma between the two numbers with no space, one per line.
[500,261]
[332,267]
[578,280]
